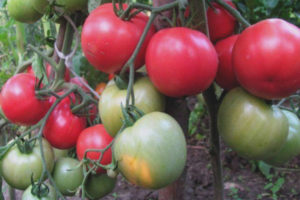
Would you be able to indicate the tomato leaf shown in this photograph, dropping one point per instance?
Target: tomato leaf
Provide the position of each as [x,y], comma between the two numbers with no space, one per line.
[92,4]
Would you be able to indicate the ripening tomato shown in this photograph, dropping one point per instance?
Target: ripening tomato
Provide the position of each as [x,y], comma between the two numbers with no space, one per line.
[100,88]
[252,128]
[225,75]
[19,102]
[266,59]
[108,41]
[94,137]
[220,22]
[152,152]
[63,127]
[181,61]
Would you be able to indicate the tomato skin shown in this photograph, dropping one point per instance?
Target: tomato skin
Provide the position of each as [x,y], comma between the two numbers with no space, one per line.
[291,147]
[99,185]
[108,42]
[187,68]
[27,195]
[152,152]
[19,103]
[111,76]
[225,75]
[250,127]
[266,59]
[147,98]
[67,175]
[60,153]
[17,168]
[23,11]
[100,88]
[63,127]
[94,137]
[221,23]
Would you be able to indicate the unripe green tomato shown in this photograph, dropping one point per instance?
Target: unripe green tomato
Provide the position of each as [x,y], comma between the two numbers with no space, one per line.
[291,147]
[67,175]
[40,5]
[147,98]
[99,185]
[27,195]
[72,5]
[152,152]
[60,153]
[252,128]
[23,11]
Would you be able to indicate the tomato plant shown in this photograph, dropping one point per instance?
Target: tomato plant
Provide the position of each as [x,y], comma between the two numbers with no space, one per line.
[99,185]
[225,75]
[63,127]
[266,61]
[291,147]
[108,41]
[28,195]
[19,102]
[151,153]
[221,24]
[147,99]
[23,11]
[94,137]
[252,128]
[79,81]
[182,71]
[17,168]
[49,72]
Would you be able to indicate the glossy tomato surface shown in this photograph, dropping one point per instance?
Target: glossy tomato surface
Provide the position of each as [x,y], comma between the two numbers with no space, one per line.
[252,128]
[147,98]
[181,61]
[266,59]
[18,168]
[151,153]
[99,185]
[108,42]
[291,147]
[63,127]
[19,102]
[225,75]
[27,195]
[221,23]
[23,11]
[68,175]
[94,137]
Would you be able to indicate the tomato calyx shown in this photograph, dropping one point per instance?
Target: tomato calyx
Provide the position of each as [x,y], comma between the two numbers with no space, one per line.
[40,190]
[121,84]
[25,146]
[131,114]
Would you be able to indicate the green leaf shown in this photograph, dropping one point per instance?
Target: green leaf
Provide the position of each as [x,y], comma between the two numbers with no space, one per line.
[39,69]
[270,4]
[92,4]
[265,169]
[277,185]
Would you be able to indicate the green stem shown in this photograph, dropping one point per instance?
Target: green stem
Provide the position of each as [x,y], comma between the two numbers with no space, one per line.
[20,32]
[234,12]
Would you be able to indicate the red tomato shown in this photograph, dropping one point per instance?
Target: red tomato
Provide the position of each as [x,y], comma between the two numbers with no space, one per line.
[94,137]
[220,22]
[266,59]
[108,42]
[181,61]
[225,75]
[100,87]
[78,81]
[48,71]
[19,102]
[111,76]
[63,127]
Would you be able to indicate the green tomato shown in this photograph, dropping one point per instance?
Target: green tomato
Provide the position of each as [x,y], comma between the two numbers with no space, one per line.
[23,11]
[252,128]
[27,195]
[40,5]
[147,98]
[72,5]
[17,167]
[291,147]
[60,153]
[99,185]
[151,153]
[67,175]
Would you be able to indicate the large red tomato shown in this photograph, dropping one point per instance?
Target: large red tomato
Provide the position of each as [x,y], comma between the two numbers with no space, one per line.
[19,102]
[108,42]
[266,59]
[181,61]
[221,23]
[63,127]
[48,72]
[94,137]
[225,76]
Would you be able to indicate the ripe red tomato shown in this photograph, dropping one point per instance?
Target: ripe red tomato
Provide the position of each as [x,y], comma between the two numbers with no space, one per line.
[78,81]
[220,23]
[266,59]
[108,42]
[225,75]
[48,72]
[63,127]
[94,137]
[181,61]
[19,102]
